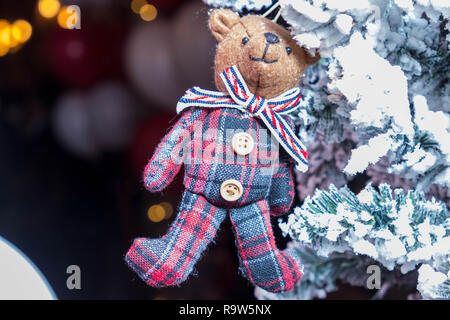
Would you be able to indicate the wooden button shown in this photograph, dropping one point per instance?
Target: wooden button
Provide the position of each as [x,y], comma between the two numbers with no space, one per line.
[242,143]
[231,190]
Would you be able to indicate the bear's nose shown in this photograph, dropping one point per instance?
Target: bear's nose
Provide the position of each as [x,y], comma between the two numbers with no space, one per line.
[271,38]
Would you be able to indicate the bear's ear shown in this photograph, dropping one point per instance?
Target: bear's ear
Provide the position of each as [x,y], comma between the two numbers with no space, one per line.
[221,21]
[310,59]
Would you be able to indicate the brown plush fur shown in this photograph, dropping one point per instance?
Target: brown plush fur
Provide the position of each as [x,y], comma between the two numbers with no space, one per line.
[267,80]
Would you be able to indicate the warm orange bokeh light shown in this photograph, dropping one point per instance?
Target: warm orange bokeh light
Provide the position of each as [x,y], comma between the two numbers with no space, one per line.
[156,213]
[67,18]
[3,49]
[168,208]
[6,37]
[136,5]
[21,31]
[148,12]
[12,36]
[48,8]
[5,33]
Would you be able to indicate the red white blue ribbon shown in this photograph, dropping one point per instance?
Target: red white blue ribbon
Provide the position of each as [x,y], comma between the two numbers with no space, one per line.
[270,111]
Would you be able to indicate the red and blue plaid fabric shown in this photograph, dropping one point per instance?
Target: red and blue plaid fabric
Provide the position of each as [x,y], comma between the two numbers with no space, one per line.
[270,111]
[168,261]
[166,162]
[282,190]
[260,261]
[201,140]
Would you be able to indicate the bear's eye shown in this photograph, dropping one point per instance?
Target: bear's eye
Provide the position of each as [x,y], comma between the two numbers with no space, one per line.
[288,50]
[245,40]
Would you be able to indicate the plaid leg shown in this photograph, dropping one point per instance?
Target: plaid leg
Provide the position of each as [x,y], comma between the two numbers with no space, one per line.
[260,261]
[169,260]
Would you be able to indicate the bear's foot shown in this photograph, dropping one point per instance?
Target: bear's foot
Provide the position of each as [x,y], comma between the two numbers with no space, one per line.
[156,263]
[260,261]
[170,260]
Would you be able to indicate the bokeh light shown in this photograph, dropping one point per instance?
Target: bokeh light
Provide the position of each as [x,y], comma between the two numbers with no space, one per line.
[136,5]
[148,12]
[67,18]
[3,49]
[168,208]
[21,31]
[6,37]
[48,8]
[5,33]
[12,36]
[156,213]
[159,212]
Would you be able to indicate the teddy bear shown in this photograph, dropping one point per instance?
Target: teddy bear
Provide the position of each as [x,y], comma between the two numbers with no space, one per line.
[238,147]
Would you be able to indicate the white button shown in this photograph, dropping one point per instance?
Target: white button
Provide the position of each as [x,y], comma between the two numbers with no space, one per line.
[242,143]
[231,190]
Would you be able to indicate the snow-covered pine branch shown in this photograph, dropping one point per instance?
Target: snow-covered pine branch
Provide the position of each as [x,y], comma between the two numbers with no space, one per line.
[396,230]
[239,5]
[382,55]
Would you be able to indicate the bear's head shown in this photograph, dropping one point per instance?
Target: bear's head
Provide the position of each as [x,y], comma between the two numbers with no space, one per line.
[265,53]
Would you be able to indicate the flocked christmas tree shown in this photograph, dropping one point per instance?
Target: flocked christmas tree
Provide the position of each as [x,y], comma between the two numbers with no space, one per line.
[376,106]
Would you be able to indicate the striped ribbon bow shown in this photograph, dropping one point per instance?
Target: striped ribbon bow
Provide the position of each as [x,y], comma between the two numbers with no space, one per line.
[270,111]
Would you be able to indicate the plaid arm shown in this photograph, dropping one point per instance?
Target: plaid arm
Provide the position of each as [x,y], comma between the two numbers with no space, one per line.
[282,191]
[169,155]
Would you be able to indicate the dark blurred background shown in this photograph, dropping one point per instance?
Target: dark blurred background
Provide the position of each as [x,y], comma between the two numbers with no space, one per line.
[81,111]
